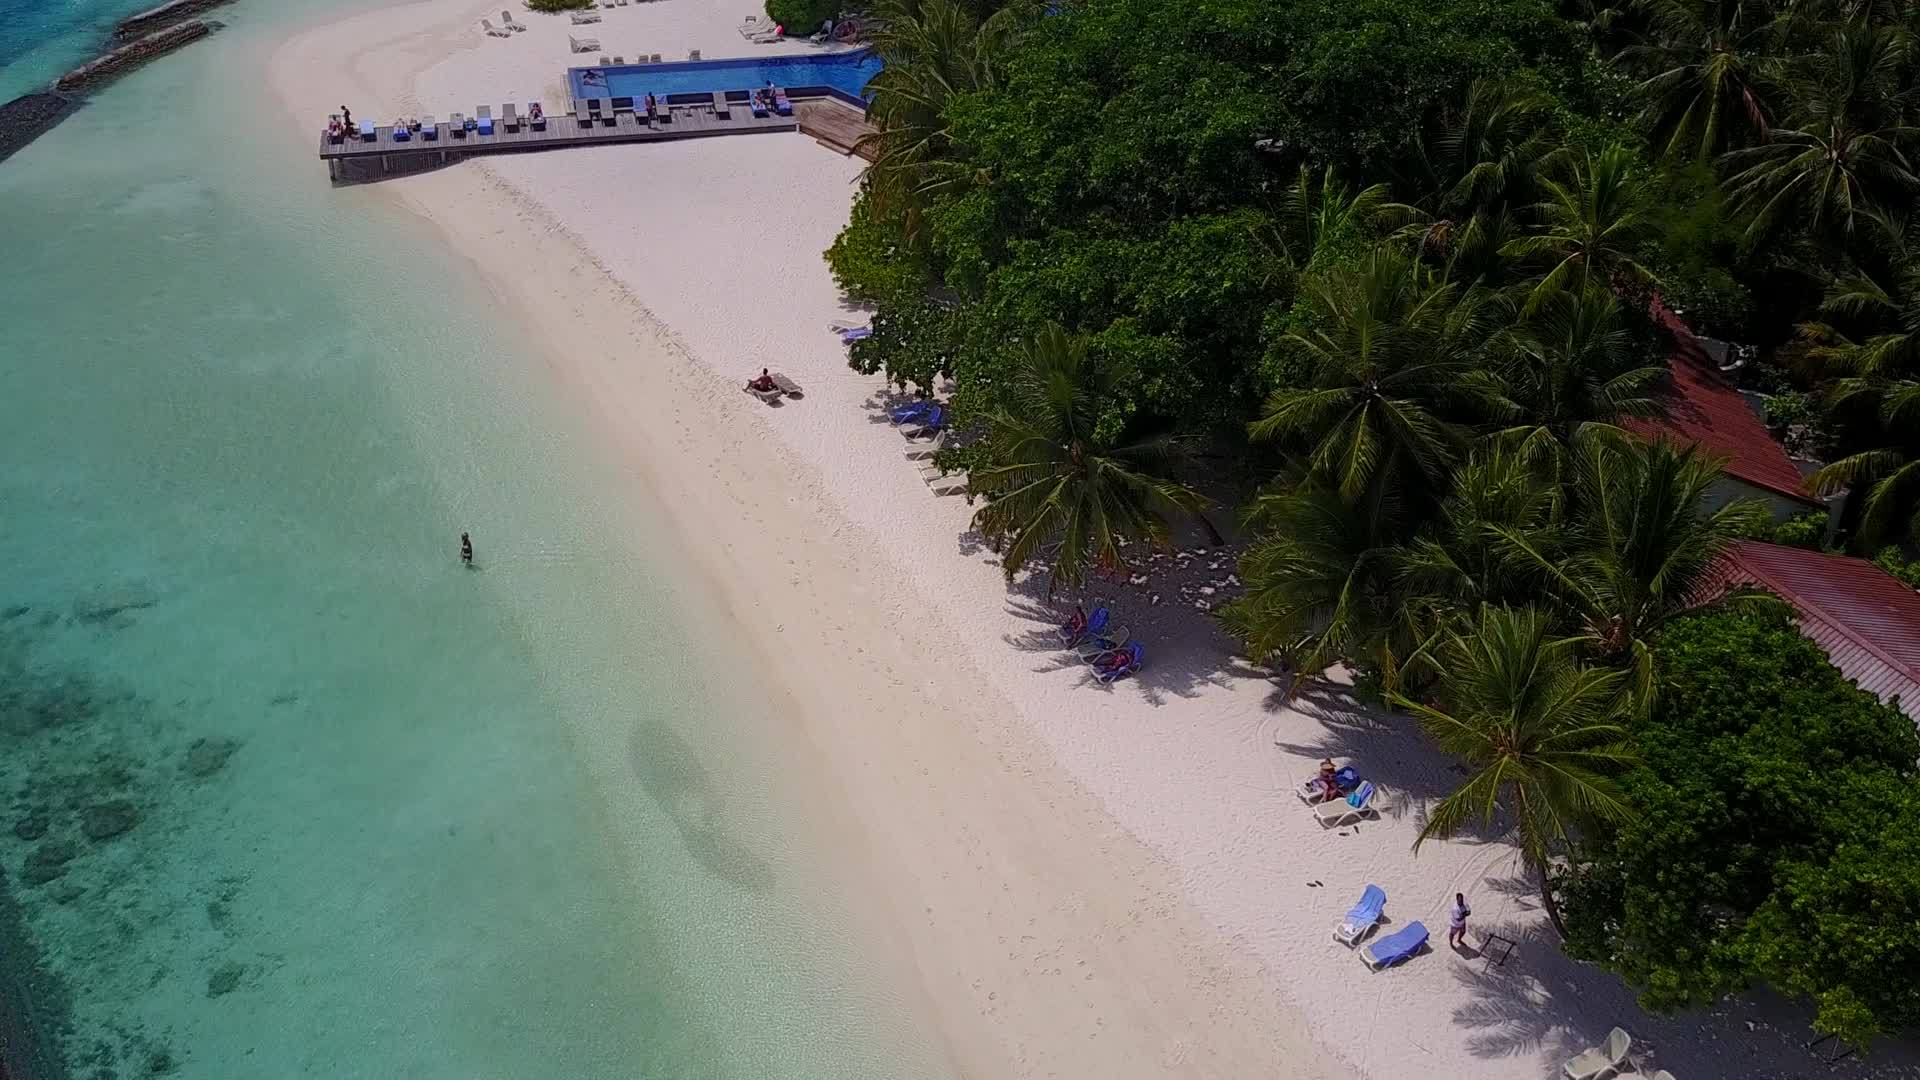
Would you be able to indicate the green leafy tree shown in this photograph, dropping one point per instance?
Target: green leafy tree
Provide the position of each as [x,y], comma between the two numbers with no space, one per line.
[1639,546]
[1573,364]
[1542,731]
[1841,147]
[1387,349]
[1707,65]
[1319,584]
[1593,223]
[1890,473]
[1776,839]
[1053,467]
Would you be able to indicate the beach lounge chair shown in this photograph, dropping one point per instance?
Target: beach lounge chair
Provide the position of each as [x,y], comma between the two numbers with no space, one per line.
[580,113]
[787,386]
[751,26]
[367,133]
[855,333]
[694,54]
[1101,643]
[492,30]
[483,119]
[1599,1062]
[1075,628]
[912,411]
[536,116]
[617,61]
[605,60]
[581,45]
[757,102]
[654,59]
[768,35]
[429,131]
[1362,917]
[456,125]
[1398,947]
[1346,779]
[720,107]
[506,20]
[1663,1075]
[1135,656]
[955,484]
[662,112]
[582,18]
[509,119]
[930,423]
[1352,808]
[603,108]
[922,451]
[400,132]
[781,106]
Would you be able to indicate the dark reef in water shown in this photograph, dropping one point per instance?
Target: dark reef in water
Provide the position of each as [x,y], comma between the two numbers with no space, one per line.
[33,1002]
[30,116]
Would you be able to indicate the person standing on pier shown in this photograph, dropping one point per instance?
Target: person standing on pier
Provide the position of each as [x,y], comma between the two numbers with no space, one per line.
[346,115]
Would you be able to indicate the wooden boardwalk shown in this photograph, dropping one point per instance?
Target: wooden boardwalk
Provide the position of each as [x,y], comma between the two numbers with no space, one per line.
[358,159]
[836,125]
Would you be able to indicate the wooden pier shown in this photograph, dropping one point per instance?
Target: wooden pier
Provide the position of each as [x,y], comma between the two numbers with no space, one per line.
[837,126]
[694,116]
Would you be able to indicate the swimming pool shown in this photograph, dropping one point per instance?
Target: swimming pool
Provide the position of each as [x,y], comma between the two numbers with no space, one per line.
[845,72]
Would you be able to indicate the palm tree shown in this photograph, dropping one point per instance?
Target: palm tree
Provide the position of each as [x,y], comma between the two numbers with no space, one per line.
[1055,466]
[1708,64]
[1387,347]
[1462,560]
[1542,730]
[1573,365]
[1317,212]
[1892,504]
[1880,295]
[1318,581]
[1842,147]
[935,51]
[1488,157]
[1639,545]
[1593,223]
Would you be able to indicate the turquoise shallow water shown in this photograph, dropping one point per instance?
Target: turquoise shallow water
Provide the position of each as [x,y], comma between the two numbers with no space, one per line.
[284,791]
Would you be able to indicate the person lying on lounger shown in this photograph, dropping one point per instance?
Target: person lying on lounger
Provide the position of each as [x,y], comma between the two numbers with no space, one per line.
[764,384]
[1329,782]
[534,112]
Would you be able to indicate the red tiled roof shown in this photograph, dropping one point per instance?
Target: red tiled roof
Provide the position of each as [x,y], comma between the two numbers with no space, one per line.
[1704,409]
[1866,620]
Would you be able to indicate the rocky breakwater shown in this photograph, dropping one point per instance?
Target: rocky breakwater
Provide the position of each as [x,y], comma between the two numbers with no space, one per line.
[146,22]
[118,60]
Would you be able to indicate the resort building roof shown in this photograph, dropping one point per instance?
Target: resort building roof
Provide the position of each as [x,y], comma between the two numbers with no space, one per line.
[1705,410]
[1865,618]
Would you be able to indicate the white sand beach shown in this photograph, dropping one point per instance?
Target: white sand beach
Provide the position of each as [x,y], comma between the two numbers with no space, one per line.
[1089,881]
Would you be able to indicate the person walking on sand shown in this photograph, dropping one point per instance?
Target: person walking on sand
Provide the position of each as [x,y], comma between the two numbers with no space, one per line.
[466,550]
[1457,921]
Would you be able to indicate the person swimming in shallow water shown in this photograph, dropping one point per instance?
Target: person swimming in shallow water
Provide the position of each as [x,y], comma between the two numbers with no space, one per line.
[466,550]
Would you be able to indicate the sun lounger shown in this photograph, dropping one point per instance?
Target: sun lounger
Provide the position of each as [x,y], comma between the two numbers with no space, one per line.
[1599,1062]
[429,131]
[1074,629]
[955,484]
[603,108]
[1663,1075]
[781,106]
[1398,947]
[855,333]
[492,30]
[654,59]
[930,423]
[694,54]
[506,20]
[1362,917]
[768,36]
[1358,805]
[580,113]
[912,410]
[1102,643]
[661,110]
[720,107]
[367,133]
[618,61]
[1135,656]
[1346,779]
[751,26]
[509,119]
[582,18]
[582,45]
[922,451]
[605,60]
[787,386]
[483,119]
[536,116]
[757,102]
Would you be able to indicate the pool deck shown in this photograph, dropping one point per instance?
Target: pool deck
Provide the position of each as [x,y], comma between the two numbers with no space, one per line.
[358,159]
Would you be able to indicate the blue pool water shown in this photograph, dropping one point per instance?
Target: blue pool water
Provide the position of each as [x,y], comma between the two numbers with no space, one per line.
[846,72]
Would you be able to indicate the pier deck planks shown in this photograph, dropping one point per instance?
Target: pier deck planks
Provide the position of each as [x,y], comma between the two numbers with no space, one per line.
[563,130]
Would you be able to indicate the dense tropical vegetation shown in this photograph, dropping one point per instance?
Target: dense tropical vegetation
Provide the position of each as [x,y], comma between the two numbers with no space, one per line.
[1402,270]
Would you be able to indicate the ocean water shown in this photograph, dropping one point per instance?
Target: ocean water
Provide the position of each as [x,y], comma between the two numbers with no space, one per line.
[285,790]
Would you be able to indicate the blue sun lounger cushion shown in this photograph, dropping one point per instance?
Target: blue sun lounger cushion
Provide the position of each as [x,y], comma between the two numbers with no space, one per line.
[857,333]
[1360,795]
[912,410]
[1396,947]
[484,124]
[366,131]
[1361,917]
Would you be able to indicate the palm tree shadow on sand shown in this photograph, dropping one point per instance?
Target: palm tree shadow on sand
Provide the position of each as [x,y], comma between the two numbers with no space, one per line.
[669,771]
